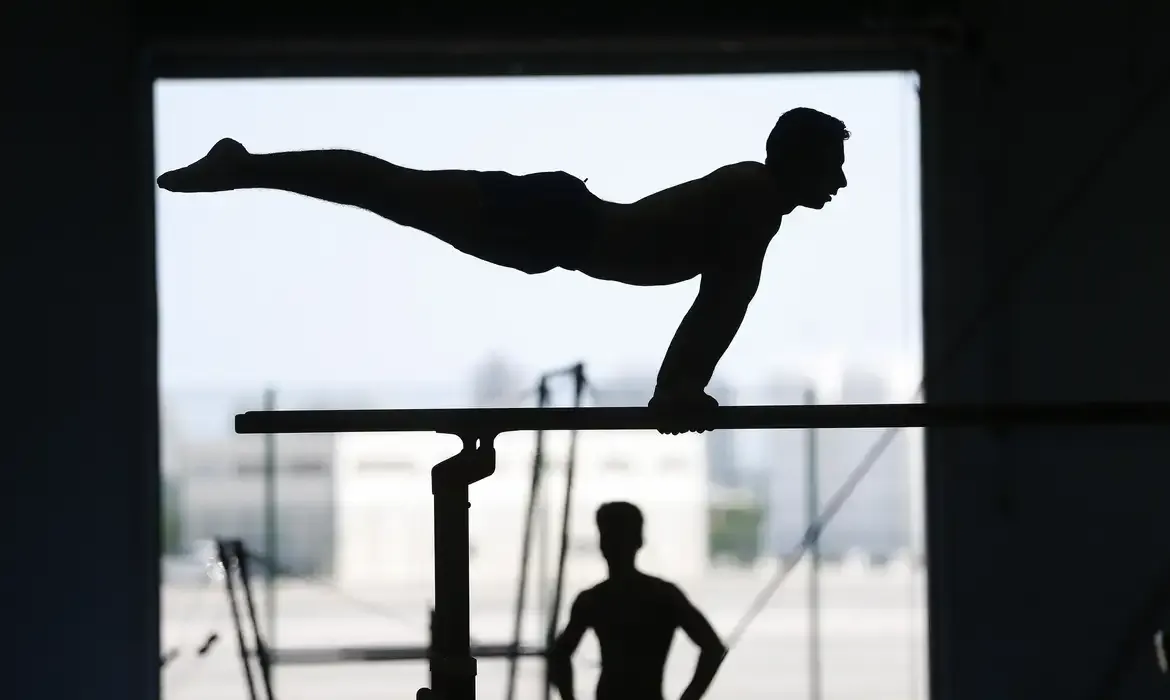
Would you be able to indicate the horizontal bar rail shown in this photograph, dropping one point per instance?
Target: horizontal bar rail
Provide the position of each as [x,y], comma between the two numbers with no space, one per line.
[324,655]
[488,422]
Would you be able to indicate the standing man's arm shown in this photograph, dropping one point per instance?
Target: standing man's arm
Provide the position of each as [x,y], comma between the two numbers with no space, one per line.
[711,648]
[560,654]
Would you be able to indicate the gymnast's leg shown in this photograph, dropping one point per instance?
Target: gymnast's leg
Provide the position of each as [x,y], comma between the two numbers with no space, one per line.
[444,203]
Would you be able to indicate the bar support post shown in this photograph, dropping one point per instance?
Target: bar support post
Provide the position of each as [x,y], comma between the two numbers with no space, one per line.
[452,667]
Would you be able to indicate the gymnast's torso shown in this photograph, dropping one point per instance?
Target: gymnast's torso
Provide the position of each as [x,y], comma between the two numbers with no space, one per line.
[679,233]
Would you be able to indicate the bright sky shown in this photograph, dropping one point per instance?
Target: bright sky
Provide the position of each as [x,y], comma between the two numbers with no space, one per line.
[263,287]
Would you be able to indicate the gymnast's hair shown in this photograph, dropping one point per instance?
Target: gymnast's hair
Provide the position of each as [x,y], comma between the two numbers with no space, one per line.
[800,128]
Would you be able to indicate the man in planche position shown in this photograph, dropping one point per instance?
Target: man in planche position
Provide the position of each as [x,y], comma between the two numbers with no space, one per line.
[717,227]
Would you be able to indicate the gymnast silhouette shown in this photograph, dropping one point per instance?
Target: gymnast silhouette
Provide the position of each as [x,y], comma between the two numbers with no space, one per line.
[717,227]
[634,616]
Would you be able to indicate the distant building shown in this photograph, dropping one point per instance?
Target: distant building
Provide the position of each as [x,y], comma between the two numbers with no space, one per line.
[876,519]
[496,383]
[722,458]
[632,390]
[385,525]
[786,462]
[223,493]
[721,453]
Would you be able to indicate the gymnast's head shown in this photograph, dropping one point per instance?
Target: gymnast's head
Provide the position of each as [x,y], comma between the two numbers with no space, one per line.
[619,526]
[806,153]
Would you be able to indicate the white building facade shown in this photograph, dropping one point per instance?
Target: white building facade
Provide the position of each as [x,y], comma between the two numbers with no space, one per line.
[384,510]
[224,491]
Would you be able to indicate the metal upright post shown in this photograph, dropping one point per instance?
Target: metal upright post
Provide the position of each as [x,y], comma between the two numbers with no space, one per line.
[542,398]
[225,551]
[271,521]
[566,524]
[543,567]
[260,647]
[813,510]
[452,667]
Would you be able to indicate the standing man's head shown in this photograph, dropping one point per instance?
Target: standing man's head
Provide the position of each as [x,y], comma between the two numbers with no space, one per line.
[619,526]
[806,153]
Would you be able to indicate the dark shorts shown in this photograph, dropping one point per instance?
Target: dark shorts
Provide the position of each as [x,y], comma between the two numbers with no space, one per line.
[539,221]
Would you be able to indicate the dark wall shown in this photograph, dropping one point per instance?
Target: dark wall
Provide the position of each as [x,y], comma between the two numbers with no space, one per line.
[1045,544]
[414,19]
[80,478]
[1041,544]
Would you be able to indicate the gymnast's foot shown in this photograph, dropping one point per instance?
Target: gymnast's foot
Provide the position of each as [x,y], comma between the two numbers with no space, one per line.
[215,172]
[682,412]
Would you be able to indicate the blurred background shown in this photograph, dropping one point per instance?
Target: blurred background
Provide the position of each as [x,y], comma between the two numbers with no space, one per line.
[274,301]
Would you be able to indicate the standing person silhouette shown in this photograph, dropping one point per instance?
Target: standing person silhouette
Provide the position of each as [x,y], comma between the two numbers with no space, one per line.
[717,227]
[634,616]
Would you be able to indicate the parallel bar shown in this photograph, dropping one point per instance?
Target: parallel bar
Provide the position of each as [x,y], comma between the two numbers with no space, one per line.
[312,656]
[493,421]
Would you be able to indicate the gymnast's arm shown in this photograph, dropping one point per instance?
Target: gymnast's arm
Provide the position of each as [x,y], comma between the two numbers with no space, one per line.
[725,292]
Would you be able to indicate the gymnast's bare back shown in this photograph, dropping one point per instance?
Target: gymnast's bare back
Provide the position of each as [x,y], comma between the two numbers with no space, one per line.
[719,223]
[716,227]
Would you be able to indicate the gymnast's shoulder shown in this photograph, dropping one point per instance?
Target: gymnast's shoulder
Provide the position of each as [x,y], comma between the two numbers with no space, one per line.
[749,177]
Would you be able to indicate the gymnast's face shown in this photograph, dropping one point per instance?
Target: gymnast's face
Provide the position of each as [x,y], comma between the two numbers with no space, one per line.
[820,174]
